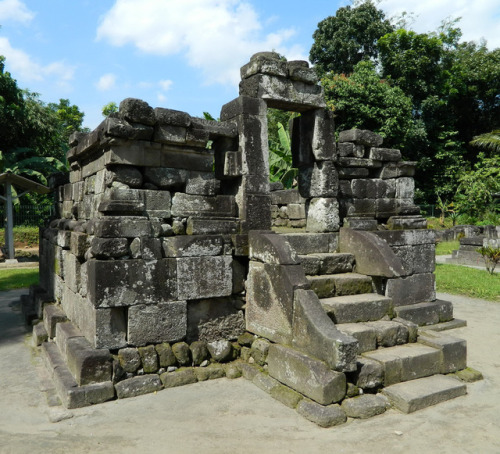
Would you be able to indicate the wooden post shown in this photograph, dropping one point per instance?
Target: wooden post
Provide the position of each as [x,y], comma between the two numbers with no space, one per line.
[9,233]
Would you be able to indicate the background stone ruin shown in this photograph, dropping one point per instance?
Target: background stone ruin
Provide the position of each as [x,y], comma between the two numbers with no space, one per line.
[162,255]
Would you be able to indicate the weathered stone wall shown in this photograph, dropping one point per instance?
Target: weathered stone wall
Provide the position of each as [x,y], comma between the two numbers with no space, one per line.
[143,252]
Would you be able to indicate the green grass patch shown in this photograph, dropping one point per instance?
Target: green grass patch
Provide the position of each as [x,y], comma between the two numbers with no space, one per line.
[12,279]
[22,234]
[446,247]
[462,280]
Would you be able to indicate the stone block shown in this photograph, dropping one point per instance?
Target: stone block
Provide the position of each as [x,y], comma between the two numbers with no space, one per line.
[405,188]
[209,226]
[131,282]
[323,134]
[418,394]
[365,406]
[389,333]
[256,212]
[193,246]
[369,374]
[137,111]
[169,134]
[52,315]
[268,247]
[137,386]
[179,377]
[262,64]
[286,196]
[398,169]
[374,257]
[184,205]
[296,211]
[306,375]
[286,396]
[453,350]
[243,105]
[358,208]
[349,149]
[166,178]
[182,353]
[213,319]
[131,176]
[86,364]
[202,183]
[183,158]
[315,334]
[172,117]
[318,180]
[105,248]
[311,243]
[323,416]
[129,359]
[407,237]
[362,137]
[360,223]
[323,215]
[264,382]
[385,154]
[123,227]
[281,93]
[199,352]
[365,335]
[220,350]
[418,258]
[297,70]
[211,372]
[406,362]
[270,290]
[164,322]
[204,277]
[354,308]
[412,289]
[149,359]
[349,173]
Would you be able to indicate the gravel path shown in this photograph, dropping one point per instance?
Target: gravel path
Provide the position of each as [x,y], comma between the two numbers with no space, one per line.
[224,416]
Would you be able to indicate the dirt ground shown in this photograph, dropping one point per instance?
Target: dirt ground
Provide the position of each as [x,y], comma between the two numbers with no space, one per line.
[233,416]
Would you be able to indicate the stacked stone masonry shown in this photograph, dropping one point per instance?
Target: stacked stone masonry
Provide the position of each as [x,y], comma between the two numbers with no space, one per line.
[161,268]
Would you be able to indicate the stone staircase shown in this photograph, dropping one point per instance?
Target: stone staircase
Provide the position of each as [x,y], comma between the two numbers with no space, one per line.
[394,356]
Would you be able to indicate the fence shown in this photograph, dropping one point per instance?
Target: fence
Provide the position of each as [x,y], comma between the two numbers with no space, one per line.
[428,210]
[34,215]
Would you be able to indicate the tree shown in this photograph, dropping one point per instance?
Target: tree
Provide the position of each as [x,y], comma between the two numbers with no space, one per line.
[343,40]
[363,100]
[488,141]
[109,108]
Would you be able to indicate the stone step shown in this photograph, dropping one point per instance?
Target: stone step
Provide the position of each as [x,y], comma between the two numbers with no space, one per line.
[327,263]
[363,307]
[427,313]
[312,243]
[72,395]
[372,335]
[421,393]
[330,285]
[407,362]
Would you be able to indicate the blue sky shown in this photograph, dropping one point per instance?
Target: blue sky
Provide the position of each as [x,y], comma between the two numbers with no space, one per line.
[180,54]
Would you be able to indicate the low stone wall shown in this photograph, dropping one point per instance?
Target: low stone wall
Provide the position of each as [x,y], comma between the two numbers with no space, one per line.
[467,231]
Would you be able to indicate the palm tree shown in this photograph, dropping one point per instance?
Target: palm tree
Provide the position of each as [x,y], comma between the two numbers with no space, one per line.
[488,141]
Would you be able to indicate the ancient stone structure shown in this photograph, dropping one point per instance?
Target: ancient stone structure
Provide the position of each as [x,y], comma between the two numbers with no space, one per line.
[162,267]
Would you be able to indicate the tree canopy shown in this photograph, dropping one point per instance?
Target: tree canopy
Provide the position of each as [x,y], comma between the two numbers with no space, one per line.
[343,40]
[426,93]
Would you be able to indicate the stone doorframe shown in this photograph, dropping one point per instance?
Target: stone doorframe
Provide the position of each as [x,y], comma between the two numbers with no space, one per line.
[270,82]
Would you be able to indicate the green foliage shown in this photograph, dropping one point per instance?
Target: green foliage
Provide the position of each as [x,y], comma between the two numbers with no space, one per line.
[109,108]
[363,100]
[447,247]
[476,187]
[467,281]
[23,234]
[12,279]
[488,141]
[280,159]
[343,40]
[491,256]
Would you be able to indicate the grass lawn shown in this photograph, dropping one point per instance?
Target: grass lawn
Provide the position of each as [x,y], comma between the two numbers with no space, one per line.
[461,280]
[12,279]
[446,247]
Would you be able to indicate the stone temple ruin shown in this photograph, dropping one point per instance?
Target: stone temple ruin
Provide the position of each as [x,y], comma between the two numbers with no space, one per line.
[163,267]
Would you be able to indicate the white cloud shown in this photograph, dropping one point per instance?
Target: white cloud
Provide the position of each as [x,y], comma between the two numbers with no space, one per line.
[480,18]
[106,82]
[15,10]
[23,67]
[216,36]
[165,84]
